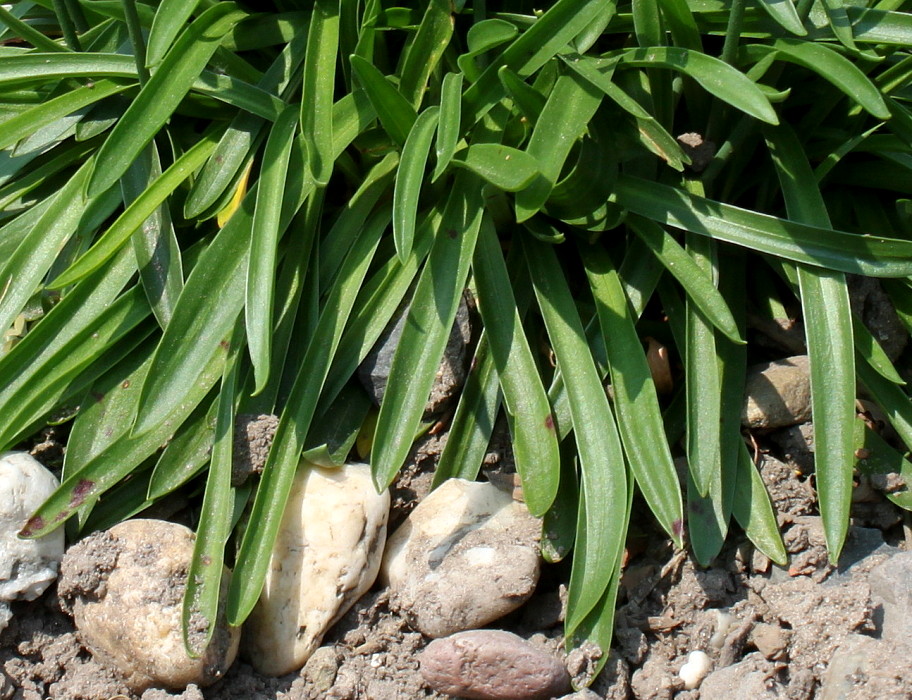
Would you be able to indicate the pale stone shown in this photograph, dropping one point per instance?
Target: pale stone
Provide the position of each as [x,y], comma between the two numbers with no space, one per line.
[125,589]
[695,669]
[777,394]
[27,566]
[467,555]
[325,558]
[492,665]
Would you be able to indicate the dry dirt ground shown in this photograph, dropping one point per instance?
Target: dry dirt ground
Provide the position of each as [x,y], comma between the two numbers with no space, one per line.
[781,625]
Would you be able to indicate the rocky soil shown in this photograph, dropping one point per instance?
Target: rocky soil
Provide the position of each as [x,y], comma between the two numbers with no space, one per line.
[741,628]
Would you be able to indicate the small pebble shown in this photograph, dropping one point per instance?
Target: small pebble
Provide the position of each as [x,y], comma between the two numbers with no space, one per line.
[695,670]
[492,665]
[777,394]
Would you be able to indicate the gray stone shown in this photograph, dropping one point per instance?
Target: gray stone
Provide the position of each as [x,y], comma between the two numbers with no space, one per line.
[777,394]
[891,588]
[27,567]
[864,667]
[467,555]
[492,665]
[321,668]
[375,369]
[749,679]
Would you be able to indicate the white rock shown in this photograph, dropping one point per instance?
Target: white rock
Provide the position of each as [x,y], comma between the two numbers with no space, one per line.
[326,557]
[125,588]
[694,671]
[27,567]
[467,555]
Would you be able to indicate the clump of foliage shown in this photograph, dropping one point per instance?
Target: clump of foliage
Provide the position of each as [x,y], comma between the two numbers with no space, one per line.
[210,209]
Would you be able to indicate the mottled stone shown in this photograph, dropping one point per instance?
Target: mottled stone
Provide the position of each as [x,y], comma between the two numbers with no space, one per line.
[463,532]
[492,665]
[125,589]
[326,556]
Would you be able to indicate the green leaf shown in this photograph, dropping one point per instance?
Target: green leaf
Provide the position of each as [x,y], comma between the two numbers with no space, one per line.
[754,511]
[891,398]
[571,104]
[530,51]
[473,422]
[199,612]
[698,285]
[278,473]
[785,14]
[875,456]
[828,329]
[117,461]
[872,351]
[506,168]
[603,480]
[425,50]
[448,122]
[111,241]
[317,90]
[815,245]
[31,120]
[160,96]
[170,18]
[430,318]
[531,426]
[333,434]
[635,400]
[715,76]
[830,66]
[264,240]
[409,177]
[395,113]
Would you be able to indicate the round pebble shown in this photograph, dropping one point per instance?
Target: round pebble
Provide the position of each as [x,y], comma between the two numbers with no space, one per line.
[492,665]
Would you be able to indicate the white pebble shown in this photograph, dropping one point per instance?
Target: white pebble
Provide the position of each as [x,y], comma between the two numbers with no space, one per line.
[695,670]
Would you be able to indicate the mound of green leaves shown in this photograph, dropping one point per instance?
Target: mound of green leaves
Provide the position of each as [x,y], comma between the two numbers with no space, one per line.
[210,209]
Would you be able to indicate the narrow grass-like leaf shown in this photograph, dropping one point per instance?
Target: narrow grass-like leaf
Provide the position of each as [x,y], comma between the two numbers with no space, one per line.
[409,177]
[872,351]
[785,14]
[264,240]
[278,473]
[155,245]
[333,434]
[530,51]
[22,271]
[29,121]
[157,100]
[754,511]
[829,65]
[187,452]
[895,403]
[199,612]
[715,76]
[603,479]
[703,383]
[635,400]
[449,121]
[135,214]
[876,456]
[529,100]
[170,18]
[318,87]
[473,422]
[395,113]
[681,265]
[879,26]
[828,330]
[560,522]
[214,292]
[118,460]
[815,245]
[532,426]
[425,51]
[507,168]
[571,104]
[430,318]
